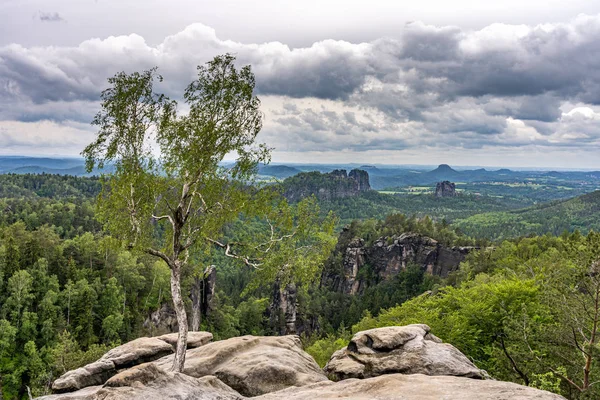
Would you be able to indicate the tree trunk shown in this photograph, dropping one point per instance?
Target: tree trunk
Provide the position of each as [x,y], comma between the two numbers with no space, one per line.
[179,360]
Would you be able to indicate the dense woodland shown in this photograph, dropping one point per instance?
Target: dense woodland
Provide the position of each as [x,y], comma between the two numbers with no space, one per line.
[525,309]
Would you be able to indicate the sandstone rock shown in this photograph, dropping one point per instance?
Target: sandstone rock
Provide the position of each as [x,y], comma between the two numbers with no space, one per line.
[283,309]
[161,321]
[334,185]
[413,387]
[407,349]
[253,365]
[445,189]
[132,353]
[149,382]
[195,339]
[362,179]
[387,257]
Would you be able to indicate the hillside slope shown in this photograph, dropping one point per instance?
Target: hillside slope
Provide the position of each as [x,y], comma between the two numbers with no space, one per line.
[579,213]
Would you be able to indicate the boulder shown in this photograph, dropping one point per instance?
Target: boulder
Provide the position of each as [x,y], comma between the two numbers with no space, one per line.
[413,387]
[253,365]
[410,349]
[195,339]
[146,381]
[132,353]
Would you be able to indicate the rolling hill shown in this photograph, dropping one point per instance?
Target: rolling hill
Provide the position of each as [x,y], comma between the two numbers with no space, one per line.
[580,213]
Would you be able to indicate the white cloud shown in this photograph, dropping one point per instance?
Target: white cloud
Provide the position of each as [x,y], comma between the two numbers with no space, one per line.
[499,88]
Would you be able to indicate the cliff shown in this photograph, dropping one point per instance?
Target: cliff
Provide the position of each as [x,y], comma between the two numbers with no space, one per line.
[336,184]
[386,257]
[445,189]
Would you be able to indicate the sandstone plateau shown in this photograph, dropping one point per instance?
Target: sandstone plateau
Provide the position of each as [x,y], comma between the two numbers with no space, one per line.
[406,362]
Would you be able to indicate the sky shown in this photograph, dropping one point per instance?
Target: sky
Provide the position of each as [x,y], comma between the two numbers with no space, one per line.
[511,83]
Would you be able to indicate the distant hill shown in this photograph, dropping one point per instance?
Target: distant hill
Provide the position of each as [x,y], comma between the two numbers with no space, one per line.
[11,163]
[278,171]
[580,213]
[45,165]
[77,171]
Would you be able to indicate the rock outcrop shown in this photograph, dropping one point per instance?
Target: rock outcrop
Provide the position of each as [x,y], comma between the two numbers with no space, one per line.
[393,363]
[362,179]
[253,365]
[387,257]
[161,321]
[132,353]
[410,349]
[283,309]
[334,185]
[445,189]
[413,387]
[146,381]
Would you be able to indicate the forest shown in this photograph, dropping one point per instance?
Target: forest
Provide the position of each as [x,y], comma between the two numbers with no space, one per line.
[523,309]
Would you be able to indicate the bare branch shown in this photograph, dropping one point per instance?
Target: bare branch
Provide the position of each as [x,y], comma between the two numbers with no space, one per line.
[160,254]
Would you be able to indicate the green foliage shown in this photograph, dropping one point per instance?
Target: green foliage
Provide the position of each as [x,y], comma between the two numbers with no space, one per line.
[580,213]
[525,313]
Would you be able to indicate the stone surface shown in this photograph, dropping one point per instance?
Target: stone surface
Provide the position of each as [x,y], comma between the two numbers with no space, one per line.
[445,189]
[149,382]
[283,309]
[253,365]
[195,339]
[334,185]
[394,363]
[387,257]
[413,387]
[362,179]
[132,353]
[162,321]
[410,349]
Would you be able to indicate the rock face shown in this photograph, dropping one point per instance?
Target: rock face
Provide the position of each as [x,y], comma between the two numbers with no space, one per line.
[388,256]
[136,352]
[445,189]
[334,185]
[163,320]
[413,387]
[283,309]
[362,178]
[410,349]
[253,365]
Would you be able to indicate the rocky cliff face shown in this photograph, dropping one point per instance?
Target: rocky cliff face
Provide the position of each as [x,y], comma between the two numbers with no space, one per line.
[336,184]
[283,309]
[388,256]
[400,362]
[445,189]
[362,178]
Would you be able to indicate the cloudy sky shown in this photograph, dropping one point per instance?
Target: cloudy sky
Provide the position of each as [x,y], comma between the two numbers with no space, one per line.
[511,83]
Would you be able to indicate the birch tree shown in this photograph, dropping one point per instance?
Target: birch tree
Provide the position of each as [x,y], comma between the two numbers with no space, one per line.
[168,192]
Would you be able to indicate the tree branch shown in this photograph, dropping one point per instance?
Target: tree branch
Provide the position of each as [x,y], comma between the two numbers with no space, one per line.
[160,254]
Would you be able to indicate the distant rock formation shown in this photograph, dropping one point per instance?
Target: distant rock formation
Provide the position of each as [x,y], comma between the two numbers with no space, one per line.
[362,178]
[387,257]
[445,189]
[336,184]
